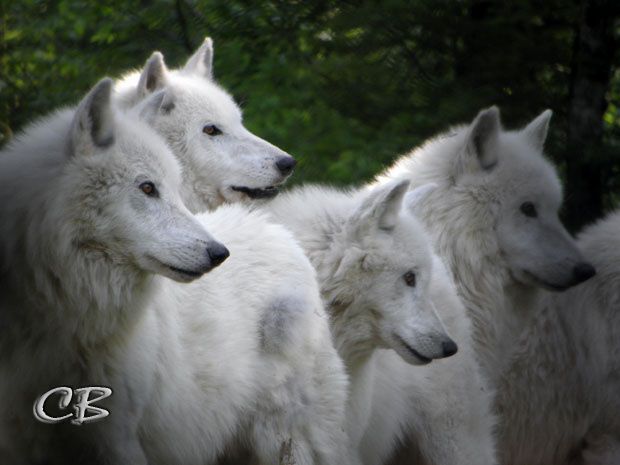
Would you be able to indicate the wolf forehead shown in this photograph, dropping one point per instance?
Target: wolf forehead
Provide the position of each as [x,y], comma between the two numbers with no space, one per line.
[203,96]
[523,166]
[142,151]
[406,245]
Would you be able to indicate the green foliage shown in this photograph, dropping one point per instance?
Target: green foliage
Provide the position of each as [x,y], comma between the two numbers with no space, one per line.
[343,86]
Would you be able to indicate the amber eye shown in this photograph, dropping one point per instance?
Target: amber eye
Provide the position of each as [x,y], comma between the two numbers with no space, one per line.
[528,209]
[149,189]
[409,278]
[211,130]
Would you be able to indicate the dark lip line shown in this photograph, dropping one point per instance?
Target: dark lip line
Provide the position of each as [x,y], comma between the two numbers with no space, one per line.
[257,192]
[191,273]
[550,286]
[412,350]
[182,271]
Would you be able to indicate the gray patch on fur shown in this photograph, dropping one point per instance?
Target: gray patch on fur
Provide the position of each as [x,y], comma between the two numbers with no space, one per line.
[277,327]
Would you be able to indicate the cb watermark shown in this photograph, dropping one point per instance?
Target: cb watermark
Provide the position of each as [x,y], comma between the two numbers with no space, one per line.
[83,409]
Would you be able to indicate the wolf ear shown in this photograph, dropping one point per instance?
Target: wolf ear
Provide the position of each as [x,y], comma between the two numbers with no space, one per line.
[154,75]
[380,209]
[417,195]
[93,124]
[201,62]
[159,102]
[480,150]
[537,129]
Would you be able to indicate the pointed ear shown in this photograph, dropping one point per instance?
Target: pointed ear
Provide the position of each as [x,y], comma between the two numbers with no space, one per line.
[380,209]
[351,256]
[154,75]
[93,124]
[480,150]
[536,131]
[201,62]
[415,196]
[160,102]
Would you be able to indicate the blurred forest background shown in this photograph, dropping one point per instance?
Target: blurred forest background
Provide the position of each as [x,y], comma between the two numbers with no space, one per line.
[346,86]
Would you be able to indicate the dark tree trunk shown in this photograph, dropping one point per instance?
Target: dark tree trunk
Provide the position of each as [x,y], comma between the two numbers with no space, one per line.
[593,55]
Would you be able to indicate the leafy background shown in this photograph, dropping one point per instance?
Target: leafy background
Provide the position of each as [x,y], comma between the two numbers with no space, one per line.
[346,86]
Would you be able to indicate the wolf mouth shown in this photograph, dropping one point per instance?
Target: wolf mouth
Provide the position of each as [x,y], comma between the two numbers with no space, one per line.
[193,274]
[415,353]
[545,284]
[190,273]
[183,271]
[258,192]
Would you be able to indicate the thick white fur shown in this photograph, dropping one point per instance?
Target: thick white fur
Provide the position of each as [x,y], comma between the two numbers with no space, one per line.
[179,104]
[564,371]
[444,408]
[243,353]
[484,174]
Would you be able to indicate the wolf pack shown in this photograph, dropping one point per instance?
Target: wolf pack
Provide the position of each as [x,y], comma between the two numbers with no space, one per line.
[439,315]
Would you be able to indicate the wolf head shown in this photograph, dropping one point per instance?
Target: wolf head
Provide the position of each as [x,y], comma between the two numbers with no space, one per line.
[496,208]
[123,184]
[222,161]
[522,194]
[388,264]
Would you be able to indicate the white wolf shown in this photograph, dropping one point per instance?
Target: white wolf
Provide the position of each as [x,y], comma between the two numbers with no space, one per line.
[221,160]
[569,396]
[494,219]
[382,287]
[91,214]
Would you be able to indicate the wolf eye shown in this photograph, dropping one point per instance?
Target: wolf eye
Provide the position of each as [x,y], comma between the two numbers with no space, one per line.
[528,209]
[211,130]
[409,278]
[149,189]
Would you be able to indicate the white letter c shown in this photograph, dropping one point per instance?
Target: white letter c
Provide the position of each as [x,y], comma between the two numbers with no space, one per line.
[39,413]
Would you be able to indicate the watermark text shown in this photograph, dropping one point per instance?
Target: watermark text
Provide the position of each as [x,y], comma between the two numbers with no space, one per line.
[83,409]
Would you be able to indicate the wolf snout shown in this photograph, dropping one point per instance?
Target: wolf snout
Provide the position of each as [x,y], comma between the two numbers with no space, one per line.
[285,164]
[440,346]
[217,253]
[582,272]
[421,349]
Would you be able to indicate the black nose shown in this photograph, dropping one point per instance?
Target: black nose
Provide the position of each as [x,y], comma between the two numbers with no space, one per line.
[217,254]
[286,164]
[449,348]
[583,271]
